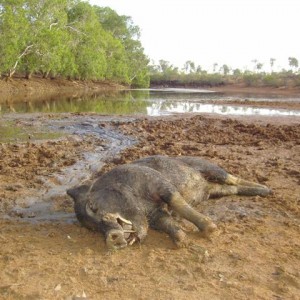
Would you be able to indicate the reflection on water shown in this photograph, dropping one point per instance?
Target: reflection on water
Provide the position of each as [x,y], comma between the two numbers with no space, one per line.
[122,103]
[166,108]
[150,102]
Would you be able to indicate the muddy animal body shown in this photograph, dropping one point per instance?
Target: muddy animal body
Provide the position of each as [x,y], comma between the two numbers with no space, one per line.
[125,201]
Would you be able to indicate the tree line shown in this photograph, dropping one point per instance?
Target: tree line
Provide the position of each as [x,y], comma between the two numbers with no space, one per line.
[70,39]
[75,40]
[166,74]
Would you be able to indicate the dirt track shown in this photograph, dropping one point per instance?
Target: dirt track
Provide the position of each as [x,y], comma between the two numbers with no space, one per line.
[254,255]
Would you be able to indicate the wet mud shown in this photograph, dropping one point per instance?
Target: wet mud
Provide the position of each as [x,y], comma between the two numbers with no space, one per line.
[46,254]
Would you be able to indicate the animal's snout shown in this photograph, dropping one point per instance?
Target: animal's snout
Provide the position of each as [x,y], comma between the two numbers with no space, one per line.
[115,239]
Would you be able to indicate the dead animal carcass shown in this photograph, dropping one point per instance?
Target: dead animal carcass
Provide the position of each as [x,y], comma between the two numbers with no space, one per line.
[125,201]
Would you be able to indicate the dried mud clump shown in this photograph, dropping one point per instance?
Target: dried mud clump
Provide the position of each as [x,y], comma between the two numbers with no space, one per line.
[23,165]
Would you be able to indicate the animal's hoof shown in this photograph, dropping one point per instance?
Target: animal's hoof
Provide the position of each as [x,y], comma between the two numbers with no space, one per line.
[181,244]
[209,229]
[197,249]
[180,239]
[264,192]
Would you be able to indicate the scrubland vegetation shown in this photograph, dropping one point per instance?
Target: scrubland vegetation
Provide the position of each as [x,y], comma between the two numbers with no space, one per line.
[165,74]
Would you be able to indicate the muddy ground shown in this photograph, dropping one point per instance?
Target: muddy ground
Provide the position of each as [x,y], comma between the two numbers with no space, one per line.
[47,254]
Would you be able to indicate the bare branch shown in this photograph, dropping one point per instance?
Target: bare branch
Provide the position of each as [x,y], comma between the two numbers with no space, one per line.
[25,52]
[53,24]
[133,77]
[75,29]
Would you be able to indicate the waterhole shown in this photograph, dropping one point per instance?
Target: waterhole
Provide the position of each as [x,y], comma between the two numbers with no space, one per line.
[156,102]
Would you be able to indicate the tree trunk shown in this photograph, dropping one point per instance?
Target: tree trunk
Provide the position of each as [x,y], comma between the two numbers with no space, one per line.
[11,73]
[28,75]
[46,74]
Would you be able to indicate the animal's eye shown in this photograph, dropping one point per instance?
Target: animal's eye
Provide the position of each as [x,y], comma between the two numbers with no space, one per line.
[114,237]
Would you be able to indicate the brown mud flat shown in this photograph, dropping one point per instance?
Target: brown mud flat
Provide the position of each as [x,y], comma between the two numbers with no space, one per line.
[254,254]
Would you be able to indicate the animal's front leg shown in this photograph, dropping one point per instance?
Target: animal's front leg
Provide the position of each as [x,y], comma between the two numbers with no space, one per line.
[179,205]
[162,220]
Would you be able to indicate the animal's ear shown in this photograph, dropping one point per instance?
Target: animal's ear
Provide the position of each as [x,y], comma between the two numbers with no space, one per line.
[91,210]
[79,192]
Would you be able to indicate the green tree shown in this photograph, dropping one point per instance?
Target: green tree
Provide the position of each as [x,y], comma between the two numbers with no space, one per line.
[14,47]
[225,69]
[272,62]
[215,65]
[259,66]
[88,42]
[123,29]
[199,69]
[189,67]
[293,63]
[47,34]
[167,69]
[70,38]
[237,72]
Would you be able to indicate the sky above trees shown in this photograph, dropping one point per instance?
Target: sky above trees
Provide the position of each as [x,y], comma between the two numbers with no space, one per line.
[231,32]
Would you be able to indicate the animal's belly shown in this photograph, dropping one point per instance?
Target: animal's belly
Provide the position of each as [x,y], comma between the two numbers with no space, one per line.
[194,191]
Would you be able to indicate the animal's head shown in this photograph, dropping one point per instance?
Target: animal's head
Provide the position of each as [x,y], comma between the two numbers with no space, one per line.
[118,231]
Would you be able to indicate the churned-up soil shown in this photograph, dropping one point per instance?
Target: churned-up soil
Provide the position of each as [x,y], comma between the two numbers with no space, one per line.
[253,255]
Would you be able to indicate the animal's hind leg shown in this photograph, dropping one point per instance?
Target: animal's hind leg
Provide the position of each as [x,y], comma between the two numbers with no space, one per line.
[219,190]
[179,205]
[208,170]
[214,173]
[162,220]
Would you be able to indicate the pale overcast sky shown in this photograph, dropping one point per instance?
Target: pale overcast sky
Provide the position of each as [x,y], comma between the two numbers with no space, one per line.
[232,32]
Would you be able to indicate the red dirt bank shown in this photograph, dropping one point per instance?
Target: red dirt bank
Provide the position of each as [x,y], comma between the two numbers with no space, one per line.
[18,89]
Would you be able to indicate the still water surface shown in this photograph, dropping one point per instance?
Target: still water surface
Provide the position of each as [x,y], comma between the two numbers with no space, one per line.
[152,102]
